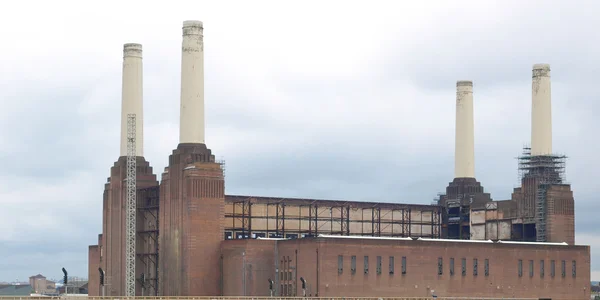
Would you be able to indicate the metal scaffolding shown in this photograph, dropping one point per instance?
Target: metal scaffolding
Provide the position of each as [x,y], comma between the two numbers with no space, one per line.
[537,173]
[250,217]
[130,208]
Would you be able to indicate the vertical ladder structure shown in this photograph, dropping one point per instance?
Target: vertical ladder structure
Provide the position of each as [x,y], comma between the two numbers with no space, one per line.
[541,211]
[130,208]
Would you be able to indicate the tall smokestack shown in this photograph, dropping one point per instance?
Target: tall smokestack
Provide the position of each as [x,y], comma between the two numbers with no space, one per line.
[464,152]
[132,94]
[191,126]
[541,111]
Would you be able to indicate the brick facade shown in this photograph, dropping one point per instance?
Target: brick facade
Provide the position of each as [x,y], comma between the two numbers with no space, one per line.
[497,273]
[112,244]
[93,274]
[191,226]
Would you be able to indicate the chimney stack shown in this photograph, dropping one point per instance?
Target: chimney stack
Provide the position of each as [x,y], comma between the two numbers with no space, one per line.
[132,95]
[541,111]
[191,126]
[464,153]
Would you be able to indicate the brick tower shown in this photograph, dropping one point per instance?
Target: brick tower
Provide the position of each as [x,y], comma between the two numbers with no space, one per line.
[192,190]
[111,256]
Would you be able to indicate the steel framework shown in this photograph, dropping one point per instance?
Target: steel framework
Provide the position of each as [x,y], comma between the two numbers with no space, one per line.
[130,208]
[148,210]
[293,217]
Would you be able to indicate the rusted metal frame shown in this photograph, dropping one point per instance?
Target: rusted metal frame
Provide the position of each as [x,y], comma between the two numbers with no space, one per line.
[437,217]
[345,226]
[392,222]
[280,219]
[324,219]
[313,227]
[406,222]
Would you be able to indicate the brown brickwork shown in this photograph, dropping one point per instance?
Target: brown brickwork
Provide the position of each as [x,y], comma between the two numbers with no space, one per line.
[561,214]
[191,226]
[421,277]
[248,261]
[113,225]
[93,275]
[560,223]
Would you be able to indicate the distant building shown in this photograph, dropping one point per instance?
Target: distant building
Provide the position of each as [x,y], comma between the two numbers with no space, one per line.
[40,285]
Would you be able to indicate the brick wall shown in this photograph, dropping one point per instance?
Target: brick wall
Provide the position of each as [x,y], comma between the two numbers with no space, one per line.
[93,274]
[561,214]
[421,277]
[191,223]
[249,263]
[113,236]
[422,269]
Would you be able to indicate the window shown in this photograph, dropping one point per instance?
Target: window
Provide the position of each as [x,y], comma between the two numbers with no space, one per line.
[391,265]
[563,268]
[440,266]
[378,265]
[520,268]
[542,268]
[531,268]
[340,264]
[353,264]
[552,268]
[451,266]
[474,266]
[574,269]
[464,266]
[487,267]
[366,265]
[403,265]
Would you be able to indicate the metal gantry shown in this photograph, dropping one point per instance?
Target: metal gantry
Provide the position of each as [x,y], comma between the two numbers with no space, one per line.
[130,208]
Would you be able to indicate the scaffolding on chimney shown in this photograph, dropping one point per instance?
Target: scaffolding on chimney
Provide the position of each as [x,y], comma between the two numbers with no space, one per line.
[543,171]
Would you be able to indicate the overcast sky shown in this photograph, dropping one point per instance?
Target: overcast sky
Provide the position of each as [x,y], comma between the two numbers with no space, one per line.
[327,99]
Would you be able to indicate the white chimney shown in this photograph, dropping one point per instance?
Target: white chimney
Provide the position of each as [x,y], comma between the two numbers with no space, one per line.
[132,95]
[191,126]
[541,111]
[464,151]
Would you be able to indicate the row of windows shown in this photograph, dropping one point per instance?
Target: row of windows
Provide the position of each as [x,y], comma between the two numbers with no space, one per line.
[563,268]
[486,266]
[391,265]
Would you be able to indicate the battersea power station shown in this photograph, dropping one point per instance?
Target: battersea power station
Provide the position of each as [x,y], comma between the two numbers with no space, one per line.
[183,235]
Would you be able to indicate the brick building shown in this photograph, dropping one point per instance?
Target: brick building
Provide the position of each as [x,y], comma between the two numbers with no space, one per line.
[388,267]
[194,240]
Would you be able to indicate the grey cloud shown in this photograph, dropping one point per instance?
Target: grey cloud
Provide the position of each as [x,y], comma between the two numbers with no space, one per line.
[385,144]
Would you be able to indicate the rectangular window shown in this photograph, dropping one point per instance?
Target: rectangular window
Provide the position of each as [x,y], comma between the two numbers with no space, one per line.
[574,268]
[440,266]
[563,268]
[520,268]
[464,266]
[340,264]
[487,267]
[542,268]
[552,267]
[474,266]
[391,265]
[530,268]
[353,264]
[378,265]
[403,265]
[451,266]
[366,265]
